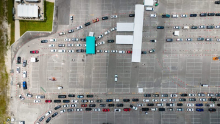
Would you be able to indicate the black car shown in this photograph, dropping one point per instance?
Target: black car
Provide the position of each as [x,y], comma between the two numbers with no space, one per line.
[88,109]
[217,14]
[126,100]
[135,100]
[42,118]
[24,63]
[71,95]
[194,27]
[166,16]
[87,24]
[211,14]
[179,104]
[217,94]
[105,18]
[212,109]
[183,94]
[160,27]
[145,109]
[150,104]
[48,120]
[71,31]
[161,109]
[217,2]
[80,50]
[66,101]
[19,60]
[61,45]
[119,105]
[70,110]
[57,107]
[111,41]
[111,105]
[92,105]
[210,27]
[153,41]
[164,95]
[61,96]
[203,14]
[98,100]
[192,99]
[55,114]
[156,95]
[82,39]
[131,15]
[193,15]
[102,105]
[44,41]
[218,104]
[144,52]
[57,101]
[147,95]
[89,96]
[182,99]
[212,99]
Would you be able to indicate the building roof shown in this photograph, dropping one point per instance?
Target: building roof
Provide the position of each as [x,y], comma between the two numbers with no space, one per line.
[27,10]
[125,26]
[138,28]
[124,39]
[148,3]
[90,45]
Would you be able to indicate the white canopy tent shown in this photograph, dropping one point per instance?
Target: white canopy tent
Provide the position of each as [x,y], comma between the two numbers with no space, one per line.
[28,11]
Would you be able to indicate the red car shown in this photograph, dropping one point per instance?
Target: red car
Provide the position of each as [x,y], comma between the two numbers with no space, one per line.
[129,51]
[34,52]
[95,20]
[84,105]
[105,110]
[48,101]
[126,109]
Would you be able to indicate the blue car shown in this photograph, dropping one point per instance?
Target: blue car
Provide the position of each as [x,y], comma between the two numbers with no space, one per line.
[109,100]
[199,104]
[24,85]
[199,110]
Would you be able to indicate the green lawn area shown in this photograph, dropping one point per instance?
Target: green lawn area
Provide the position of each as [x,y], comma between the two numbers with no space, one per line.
[39,25]
[11,21]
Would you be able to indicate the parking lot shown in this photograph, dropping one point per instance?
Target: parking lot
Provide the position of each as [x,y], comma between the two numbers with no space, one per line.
[174,67]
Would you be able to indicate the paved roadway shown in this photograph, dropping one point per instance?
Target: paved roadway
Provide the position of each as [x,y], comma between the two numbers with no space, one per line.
[174,68]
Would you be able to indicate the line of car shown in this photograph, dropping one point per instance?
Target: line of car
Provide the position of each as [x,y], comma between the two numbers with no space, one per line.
[190,39]
[193,27]
[191,15]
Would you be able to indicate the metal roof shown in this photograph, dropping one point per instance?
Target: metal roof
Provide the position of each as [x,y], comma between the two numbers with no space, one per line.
[125,26]
[27,10]
[124,39]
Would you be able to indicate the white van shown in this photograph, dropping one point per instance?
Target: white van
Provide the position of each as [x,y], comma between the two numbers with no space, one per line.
[24,74]
[61,51]
[186,27]
[153,15]
[149,8]
[175,16]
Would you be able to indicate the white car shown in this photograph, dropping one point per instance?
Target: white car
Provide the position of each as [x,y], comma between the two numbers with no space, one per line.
[18,69]
[99,51]
[176,27]
[100,36]
[188,39]
[54,50]
[53,40]
[66,105]
[60,87]
[190,109]
[80,27]
[202,99]
[116,100]
[71,51]
[84,45]
[183,15]
[173,95]
[78,45]
[155,100]
[190,104]
[192,94]
[49,112]
[73,105]
[20,96]
[107,32]
[74,101]
[61,111]
[208,39]
[114,51]
[172,100]
[67,39]
[202,26]
[217,39]
[179,39]
[162,100]
[36,101]
[78,109]
[97,109]
[146,100]
[24,74]
[103,42]
[114,16]
[211,94]
[70,45]
[91,101]
[117,110]
[62,33]
[29,95]
[153,15]
[211,105]
[51,45]
[106,51]
[139,105]
[112,29]
[217,26]
[61,51]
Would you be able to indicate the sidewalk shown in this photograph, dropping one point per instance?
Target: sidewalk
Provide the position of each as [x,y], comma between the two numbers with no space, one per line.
[17,30]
